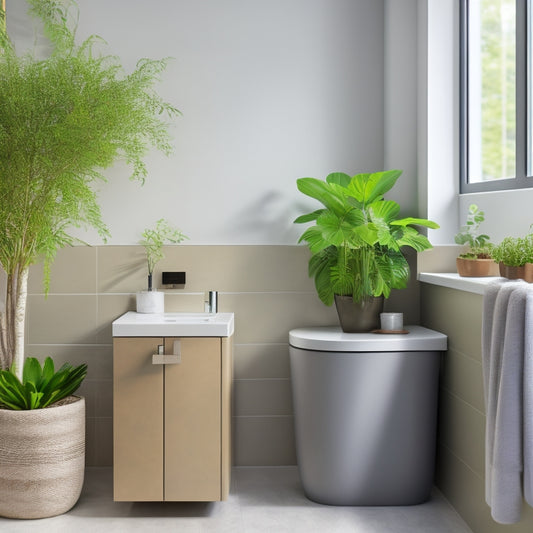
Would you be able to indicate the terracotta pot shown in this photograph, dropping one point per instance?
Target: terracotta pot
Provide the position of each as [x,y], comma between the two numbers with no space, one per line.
[528,272]
[476,267]
[512,272]
[42,459]
[359,317]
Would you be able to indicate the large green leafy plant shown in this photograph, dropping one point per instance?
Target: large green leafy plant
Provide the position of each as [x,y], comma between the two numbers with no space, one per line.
[357,238]
[63,119]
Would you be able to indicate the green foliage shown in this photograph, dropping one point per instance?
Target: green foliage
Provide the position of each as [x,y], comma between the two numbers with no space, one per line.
[62,120]
[479,252]
[514,251]
[480,247]
[40,386]
[153,240]
[356,240]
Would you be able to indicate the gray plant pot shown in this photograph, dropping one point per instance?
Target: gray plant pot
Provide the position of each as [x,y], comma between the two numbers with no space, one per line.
[42,460]
[359,317]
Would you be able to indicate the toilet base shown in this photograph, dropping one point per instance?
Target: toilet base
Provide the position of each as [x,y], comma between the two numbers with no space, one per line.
[365,425]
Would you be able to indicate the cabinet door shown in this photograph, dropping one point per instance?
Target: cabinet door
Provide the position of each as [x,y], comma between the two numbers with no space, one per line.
[193,421]
[137,420]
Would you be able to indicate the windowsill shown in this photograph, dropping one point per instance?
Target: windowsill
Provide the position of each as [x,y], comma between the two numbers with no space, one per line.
[454,281]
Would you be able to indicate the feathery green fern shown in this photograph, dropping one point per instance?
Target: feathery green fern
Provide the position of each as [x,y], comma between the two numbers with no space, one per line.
[63,119]
[153,240]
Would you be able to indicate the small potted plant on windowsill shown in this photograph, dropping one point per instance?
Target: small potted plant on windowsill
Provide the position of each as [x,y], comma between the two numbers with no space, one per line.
[515,257]
[153,239]
[477,261]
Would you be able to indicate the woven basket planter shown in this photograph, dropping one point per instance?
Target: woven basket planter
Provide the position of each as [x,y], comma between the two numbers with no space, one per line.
[42,459]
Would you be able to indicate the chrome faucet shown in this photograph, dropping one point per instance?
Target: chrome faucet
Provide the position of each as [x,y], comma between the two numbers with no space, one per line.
[211,304]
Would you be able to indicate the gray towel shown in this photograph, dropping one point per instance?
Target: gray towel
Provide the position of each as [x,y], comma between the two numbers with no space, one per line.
[503,370]
[528,401]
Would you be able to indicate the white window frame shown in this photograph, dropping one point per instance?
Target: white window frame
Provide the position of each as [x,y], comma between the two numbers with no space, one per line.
[523,107]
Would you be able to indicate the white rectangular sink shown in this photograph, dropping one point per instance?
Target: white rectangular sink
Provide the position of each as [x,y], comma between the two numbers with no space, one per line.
[133,324]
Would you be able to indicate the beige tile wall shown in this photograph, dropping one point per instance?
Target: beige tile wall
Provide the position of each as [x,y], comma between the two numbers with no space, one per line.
[265,286]
[461,448]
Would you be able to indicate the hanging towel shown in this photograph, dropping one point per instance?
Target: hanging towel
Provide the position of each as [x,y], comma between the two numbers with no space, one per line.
[528,400]
[495,303]
[503,359]
[507,465]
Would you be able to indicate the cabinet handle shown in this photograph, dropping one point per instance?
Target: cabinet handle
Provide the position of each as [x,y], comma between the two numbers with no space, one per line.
[170,359]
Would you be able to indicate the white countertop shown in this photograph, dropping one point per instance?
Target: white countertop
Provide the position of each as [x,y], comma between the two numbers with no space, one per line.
[133,324]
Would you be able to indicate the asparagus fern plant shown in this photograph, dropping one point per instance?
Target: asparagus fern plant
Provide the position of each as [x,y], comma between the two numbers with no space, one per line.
[63,119]
[153,240]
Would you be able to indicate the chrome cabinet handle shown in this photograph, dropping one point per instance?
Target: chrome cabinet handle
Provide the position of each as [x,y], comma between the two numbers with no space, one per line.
[170,359]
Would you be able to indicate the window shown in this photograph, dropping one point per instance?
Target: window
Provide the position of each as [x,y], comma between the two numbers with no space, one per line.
[496,95]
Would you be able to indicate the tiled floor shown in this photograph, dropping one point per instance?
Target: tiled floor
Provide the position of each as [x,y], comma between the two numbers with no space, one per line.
[268,500]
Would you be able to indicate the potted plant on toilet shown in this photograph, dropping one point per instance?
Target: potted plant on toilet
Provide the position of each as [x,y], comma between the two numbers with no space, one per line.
[62,119]
[153,239]
[477,260]
[356,244]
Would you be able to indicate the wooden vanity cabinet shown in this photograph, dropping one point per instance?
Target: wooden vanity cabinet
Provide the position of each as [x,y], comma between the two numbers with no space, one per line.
[171,422]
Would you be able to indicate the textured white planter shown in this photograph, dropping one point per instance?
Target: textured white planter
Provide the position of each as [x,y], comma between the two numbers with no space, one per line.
[150,302]
[42,460]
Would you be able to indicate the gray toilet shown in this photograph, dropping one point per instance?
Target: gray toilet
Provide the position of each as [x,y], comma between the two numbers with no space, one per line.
[365,408]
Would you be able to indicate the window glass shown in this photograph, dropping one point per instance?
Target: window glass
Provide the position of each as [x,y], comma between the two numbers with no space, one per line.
[491,87]
[529,77]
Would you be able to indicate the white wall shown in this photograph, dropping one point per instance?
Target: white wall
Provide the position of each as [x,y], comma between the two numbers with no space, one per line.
[507,213]
[274,90]
[270,90]
[438,116]
[401,97]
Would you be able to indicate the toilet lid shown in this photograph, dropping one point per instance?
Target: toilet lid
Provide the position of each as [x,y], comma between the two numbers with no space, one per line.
[333,339]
